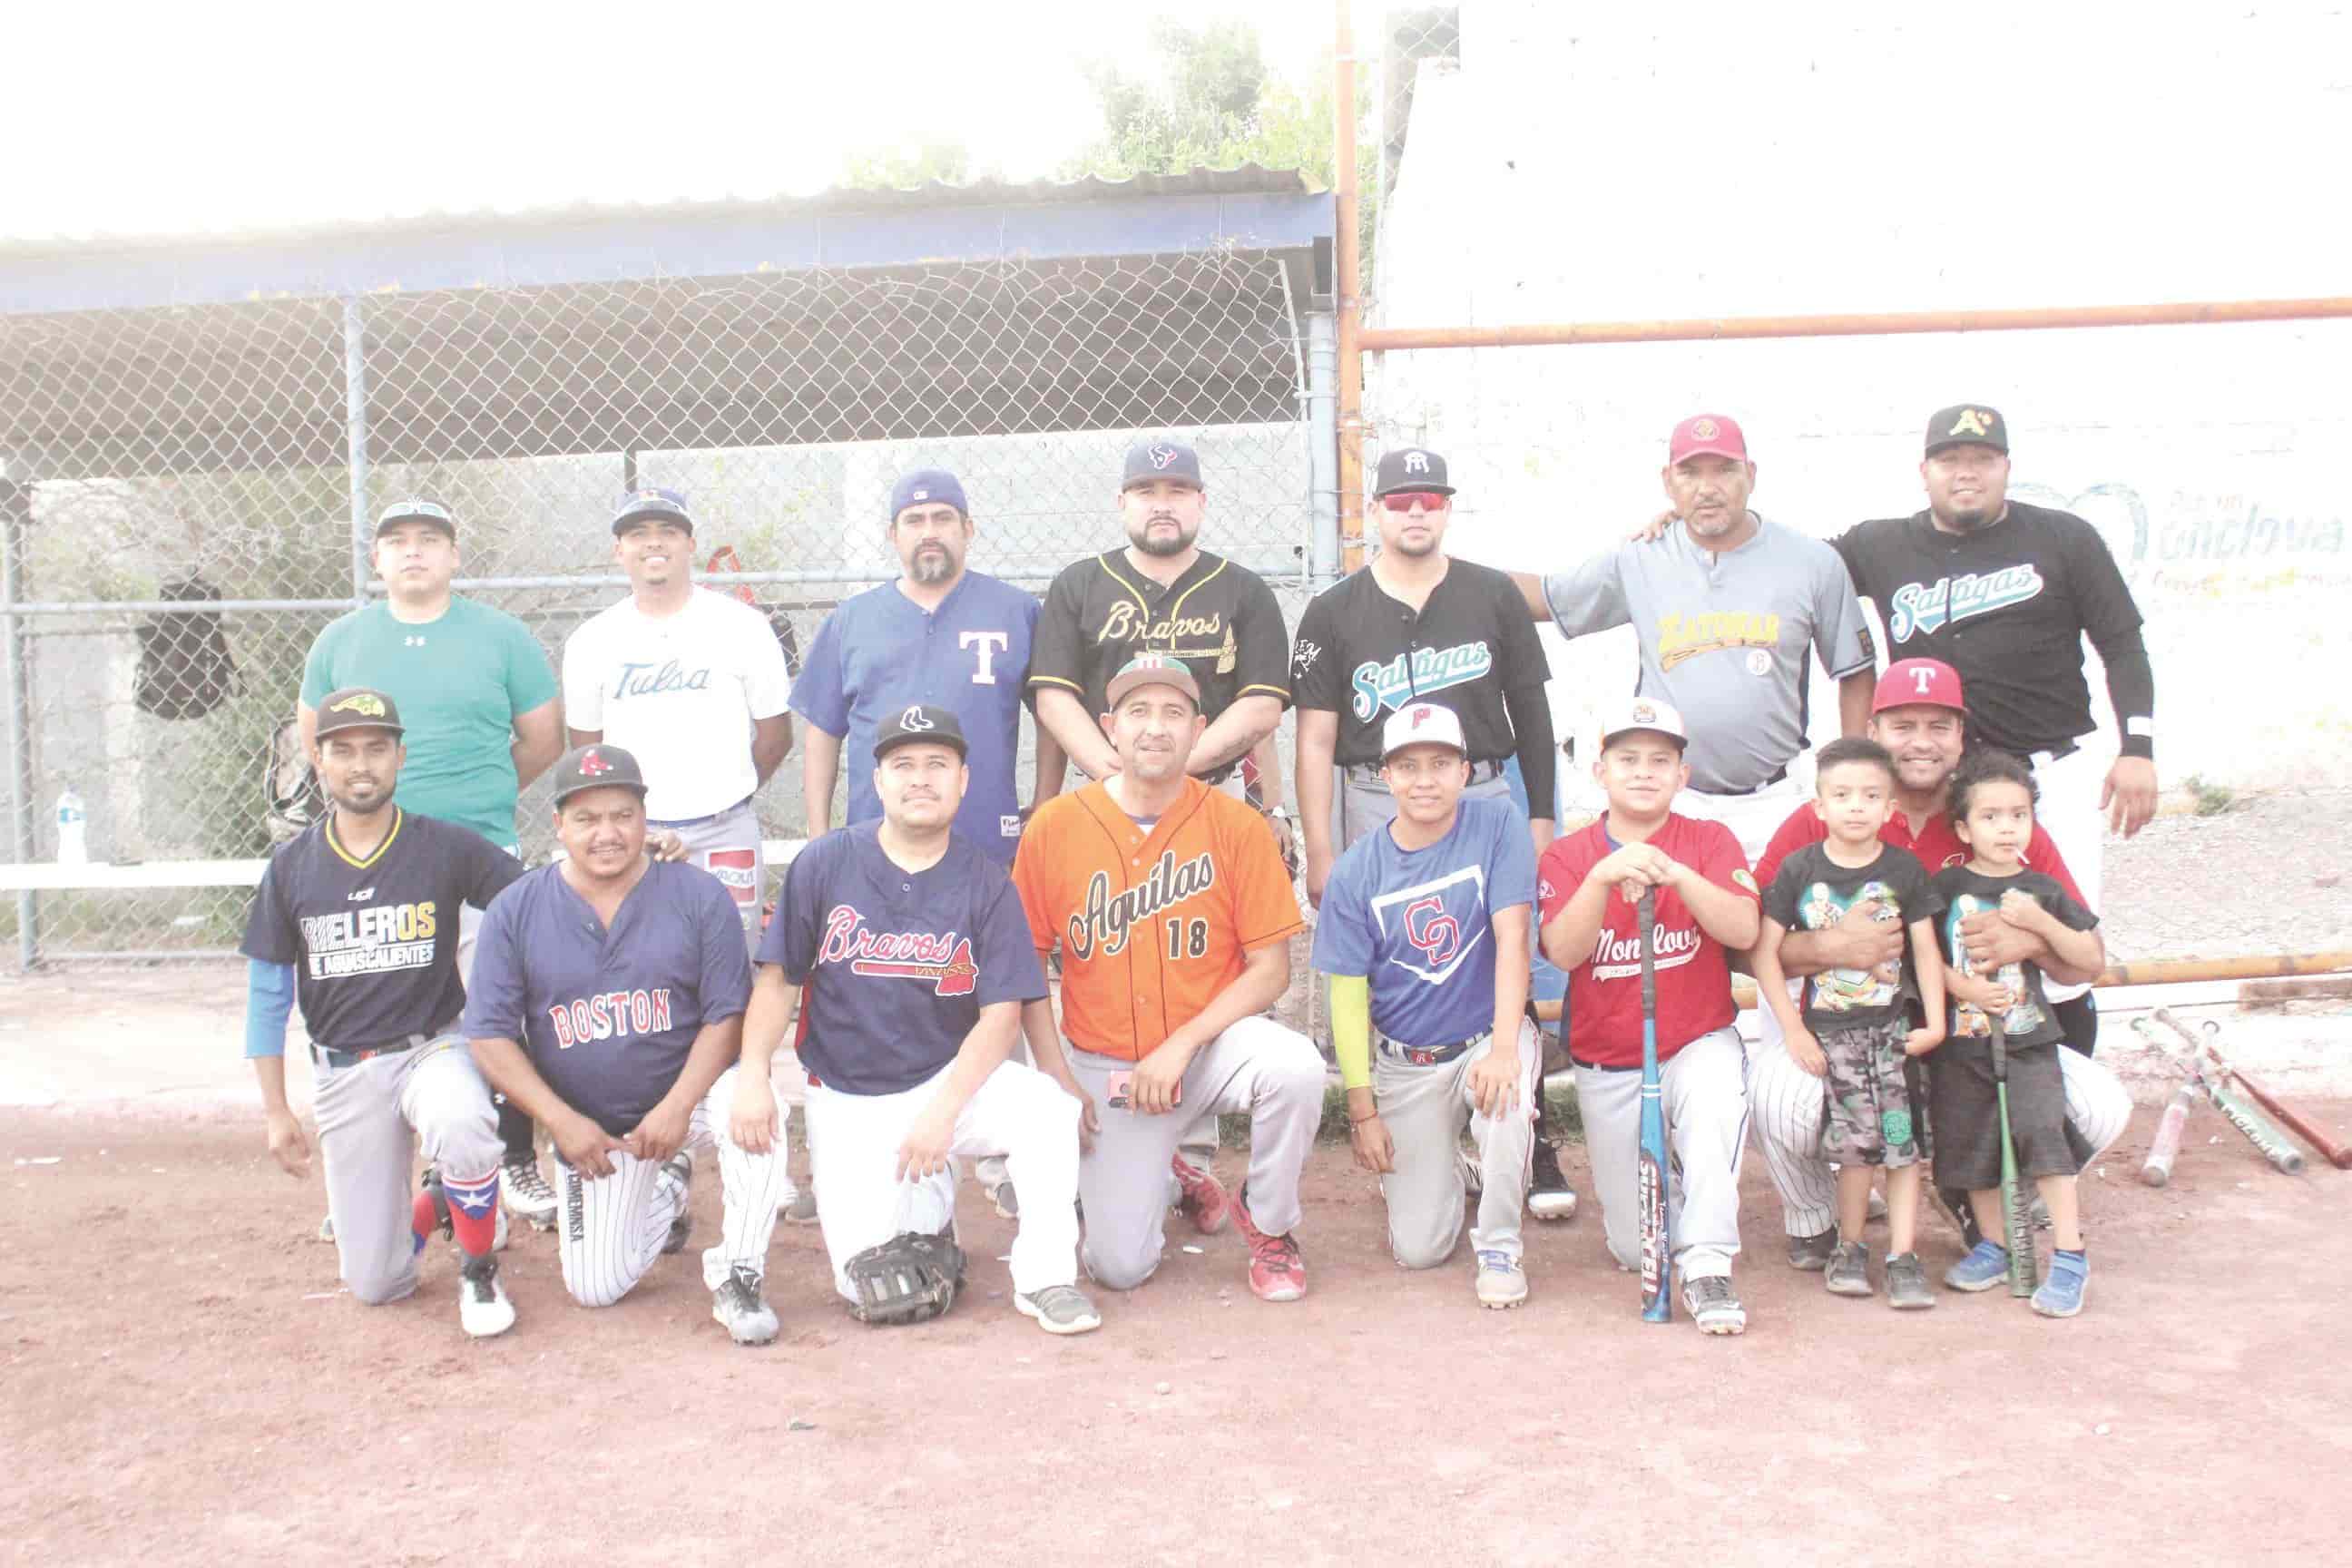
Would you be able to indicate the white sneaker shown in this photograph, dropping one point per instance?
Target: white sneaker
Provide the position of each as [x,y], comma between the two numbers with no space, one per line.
[1060,1309]
[483,1309]
[738,1307]
[1501,1282]
[527,1194]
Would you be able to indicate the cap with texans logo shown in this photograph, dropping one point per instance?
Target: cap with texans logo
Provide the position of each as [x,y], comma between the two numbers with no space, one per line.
[598,766]
[1411,469]
[653,502]
[1968,424]
[1153,669]
[357,708]
[1156,459]
[1422,725]
[920,724]
[1642,714]
[1918,682]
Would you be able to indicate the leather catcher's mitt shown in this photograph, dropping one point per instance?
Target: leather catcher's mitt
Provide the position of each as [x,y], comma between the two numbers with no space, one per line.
[909,1278]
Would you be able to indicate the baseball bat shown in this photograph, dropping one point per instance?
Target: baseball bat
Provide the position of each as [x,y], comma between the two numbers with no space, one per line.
[2335,1153]
[1657,1259]
[2017,1229]
[2158,1170]
[2267,1140]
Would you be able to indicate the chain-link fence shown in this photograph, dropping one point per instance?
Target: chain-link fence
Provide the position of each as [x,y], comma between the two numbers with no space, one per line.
[182,482]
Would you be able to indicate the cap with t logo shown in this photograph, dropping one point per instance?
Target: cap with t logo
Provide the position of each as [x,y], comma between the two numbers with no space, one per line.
[1918,682]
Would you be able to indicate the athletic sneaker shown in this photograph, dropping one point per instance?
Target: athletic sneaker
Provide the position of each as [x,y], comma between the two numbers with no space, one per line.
[799,1207]
[1276,1272]
[738,1305]
[1906,1283]
[528,1195]
[1811,1254]
[679,1170]
[1060,1309]
[1204,1201]
[2061,1295]
[1713,1305]
[1849,1270]
[483,1309]
[1008,1205]
[1986,1266]
[1549,1195]
[1501,1282]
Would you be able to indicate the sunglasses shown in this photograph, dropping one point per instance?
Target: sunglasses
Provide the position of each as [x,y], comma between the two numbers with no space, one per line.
[1402,500]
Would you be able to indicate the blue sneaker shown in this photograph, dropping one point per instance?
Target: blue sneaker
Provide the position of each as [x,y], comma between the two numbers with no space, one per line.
[2061,1295]
[1986,1266]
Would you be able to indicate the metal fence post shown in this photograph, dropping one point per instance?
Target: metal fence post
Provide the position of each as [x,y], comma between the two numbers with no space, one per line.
[16,525]
[355,442]
[1323,444]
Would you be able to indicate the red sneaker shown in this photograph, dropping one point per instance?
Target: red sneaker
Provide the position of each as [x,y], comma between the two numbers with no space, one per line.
[1204,1202]
[1276,1272]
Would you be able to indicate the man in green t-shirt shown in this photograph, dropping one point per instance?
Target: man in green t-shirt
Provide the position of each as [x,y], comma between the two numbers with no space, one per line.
[479,701]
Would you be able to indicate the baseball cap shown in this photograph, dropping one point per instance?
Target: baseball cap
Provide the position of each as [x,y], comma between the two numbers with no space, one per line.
[1411,469]
[1642,713]
[357,708]
[1707,435]
[1967,425]
[1422,725]
[1153,669]
[921,722]
[654,501]
[918,487]
[597,766]
[1156,459]
[415,509]
[1927,682]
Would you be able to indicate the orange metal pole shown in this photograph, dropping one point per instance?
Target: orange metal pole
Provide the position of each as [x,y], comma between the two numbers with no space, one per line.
[1349,287]
[1895,323]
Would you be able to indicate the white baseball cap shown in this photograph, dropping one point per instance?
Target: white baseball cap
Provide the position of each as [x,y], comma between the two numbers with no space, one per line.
[1642,713]
[1422,725]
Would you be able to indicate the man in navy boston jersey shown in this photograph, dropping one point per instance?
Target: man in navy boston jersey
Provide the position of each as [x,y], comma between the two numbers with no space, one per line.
[908,956]
[1424,933]
[358,917]
[608,1003]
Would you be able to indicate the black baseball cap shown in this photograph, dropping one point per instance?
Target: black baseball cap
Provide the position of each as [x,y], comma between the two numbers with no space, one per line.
[416,509]
[597,766]
[1411,469]
[652,501]
[357,708]
[1968,424]
[1161,459]
[921,723]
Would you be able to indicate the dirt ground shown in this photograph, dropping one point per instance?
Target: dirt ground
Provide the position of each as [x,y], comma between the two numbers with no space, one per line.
[184,1384]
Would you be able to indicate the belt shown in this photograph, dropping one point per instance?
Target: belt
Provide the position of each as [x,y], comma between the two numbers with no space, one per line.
[337,1057]
[1434,1056]
[1778,775]
[1370,773]
[1597,1066]
[695,821]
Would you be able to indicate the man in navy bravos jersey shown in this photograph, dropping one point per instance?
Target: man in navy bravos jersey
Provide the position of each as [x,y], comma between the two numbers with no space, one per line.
[608,1003]
[909,955]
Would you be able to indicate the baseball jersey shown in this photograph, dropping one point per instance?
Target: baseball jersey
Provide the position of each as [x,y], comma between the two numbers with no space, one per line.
[1221,619]
[1936,846]
[895,965]
[2030,1021]
[1363,654]
[2006,607]
[681,691]
[1812,892]
[458,681]
[373,942]
[1418,923]
[1152,924]
[1604,992]
[609,1014]
[881,652]
[1724,637]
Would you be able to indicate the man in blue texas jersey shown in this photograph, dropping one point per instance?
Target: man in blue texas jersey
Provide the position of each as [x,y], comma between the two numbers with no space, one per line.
[1424,933]
[940,635]
[909,955]
[608,1003]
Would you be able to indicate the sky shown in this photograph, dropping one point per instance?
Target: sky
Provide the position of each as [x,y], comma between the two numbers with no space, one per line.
[265,116]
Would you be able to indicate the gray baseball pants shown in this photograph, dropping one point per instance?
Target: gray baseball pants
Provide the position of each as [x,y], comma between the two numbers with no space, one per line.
[1425,1109]
[1707,1128]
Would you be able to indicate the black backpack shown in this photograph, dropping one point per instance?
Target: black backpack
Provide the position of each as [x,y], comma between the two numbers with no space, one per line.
[184,668]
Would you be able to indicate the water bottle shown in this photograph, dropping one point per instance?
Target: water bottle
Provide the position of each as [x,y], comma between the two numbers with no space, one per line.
[73,825]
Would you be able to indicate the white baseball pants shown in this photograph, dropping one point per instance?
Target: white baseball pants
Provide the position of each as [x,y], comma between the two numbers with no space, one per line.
[1705,1084]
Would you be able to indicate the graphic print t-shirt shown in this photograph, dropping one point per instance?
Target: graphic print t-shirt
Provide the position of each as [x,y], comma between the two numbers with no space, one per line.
[1811,892]
[1964,892]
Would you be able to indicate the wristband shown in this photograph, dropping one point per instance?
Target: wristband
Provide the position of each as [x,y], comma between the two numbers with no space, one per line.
[1360,1120]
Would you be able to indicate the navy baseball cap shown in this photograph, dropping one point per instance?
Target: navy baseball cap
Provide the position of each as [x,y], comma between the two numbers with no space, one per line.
[1159,459]
[1411,469]
[652,501]
[416,509]
[1968,424]
[357,708]
[920,487]
[921,723]
[597,766]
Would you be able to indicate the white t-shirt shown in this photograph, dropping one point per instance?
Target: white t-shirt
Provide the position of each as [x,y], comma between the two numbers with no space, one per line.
[681,692]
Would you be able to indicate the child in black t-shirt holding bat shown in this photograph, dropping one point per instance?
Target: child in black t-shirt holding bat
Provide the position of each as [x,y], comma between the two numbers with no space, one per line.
[1992,811]
[1855,1028]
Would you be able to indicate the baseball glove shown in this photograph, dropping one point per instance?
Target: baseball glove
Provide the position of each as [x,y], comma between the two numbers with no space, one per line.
[909,1278]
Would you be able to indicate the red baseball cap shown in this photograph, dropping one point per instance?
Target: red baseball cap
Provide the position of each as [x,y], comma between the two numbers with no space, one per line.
[1701,435]
[1918,682]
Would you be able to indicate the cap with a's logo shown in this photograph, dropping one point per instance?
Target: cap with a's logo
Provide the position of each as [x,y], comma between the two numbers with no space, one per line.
[922,487]
[357,708]
[1156,459]
[597,766]
[1918,682]
[1153,669]
[653,502]
[415,509]
[1422,725]
[1642,714]
[1707,435]
[920,724]
[1967,425]
[1411,469]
